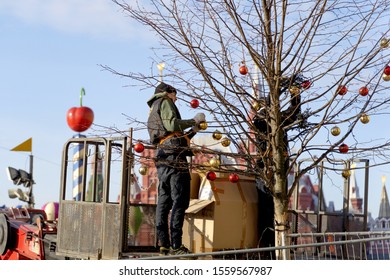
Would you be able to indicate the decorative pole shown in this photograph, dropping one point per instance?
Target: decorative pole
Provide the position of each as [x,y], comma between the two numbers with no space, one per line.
[79,119]
[78,168]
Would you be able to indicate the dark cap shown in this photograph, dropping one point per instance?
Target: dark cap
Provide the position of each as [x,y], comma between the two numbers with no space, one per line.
[164,87]
[265,100]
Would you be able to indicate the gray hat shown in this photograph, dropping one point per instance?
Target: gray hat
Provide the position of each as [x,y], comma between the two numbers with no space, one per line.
[161,90]
[164,87]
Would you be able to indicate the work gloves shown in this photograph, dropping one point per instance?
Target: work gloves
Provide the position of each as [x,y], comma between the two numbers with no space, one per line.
[199,117]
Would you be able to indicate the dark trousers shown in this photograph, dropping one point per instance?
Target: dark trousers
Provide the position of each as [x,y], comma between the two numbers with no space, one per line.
[265,226]
[173,194]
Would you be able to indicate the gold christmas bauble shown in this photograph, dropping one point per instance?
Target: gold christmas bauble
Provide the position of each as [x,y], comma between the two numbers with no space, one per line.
[143,170]
[386,77]
[364,118]
[385,43]
[225,142]
[335,131]
[294,90]
[346,173]
[217,135]
[214,162]
[203,125]
[256,105]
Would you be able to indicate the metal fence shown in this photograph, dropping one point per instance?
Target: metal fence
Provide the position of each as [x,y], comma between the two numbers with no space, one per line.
[310,246]
[340,245]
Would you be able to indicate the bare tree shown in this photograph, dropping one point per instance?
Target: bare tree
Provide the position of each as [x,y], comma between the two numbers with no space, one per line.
[327,53]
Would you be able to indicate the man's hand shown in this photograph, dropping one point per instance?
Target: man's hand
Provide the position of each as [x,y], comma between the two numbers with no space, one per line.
[195,128]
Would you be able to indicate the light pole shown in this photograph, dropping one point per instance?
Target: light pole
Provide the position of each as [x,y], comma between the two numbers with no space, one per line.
[21,177]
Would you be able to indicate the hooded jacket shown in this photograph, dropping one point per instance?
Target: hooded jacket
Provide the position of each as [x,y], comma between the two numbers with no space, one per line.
[261,122]
[164,117]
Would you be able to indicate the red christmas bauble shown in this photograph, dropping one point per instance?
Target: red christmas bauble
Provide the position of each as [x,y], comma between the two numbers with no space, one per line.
[233,178]
[211,176]
[139,147]
[343,148]
[243,70]
[194,103]
[387,70]
[363,91]
[306,84]
[342,90]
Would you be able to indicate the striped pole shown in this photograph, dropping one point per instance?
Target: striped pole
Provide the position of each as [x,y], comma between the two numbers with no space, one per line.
[78,170]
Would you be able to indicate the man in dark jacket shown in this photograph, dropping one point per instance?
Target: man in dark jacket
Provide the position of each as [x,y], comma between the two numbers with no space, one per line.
[266,229]
[166,130]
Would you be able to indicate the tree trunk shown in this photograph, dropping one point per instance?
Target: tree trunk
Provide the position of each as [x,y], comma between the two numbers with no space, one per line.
[281,208]
[279,146]
[281,227]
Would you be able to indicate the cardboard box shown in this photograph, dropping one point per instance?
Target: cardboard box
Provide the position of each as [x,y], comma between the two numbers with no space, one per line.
[224,216]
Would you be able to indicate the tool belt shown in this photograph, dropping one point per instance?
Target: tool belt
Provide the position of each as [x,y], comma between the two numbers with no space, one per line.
[174,144]
[177,135]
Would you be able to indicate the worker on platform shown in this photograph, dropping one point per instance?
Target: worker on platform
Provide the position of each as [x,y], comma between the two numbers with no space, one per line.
[261,121]
[166,130]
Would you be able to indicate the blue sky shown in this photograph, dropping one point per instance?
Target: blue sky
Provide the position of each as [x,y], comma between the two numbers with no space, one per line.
[50,50]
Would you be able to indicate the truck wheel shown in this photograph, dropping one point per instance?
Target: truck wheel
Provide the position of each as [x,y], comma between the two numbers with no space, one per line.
[4,233]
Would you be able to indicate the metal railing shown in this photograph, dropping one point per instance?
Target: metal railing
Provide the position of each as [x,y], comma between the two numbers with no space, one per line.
[341,245]
[310,246]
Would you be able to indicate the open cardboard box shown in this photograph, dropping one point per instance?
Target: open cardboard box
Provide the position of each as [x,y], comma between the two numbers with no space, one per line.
[223,216]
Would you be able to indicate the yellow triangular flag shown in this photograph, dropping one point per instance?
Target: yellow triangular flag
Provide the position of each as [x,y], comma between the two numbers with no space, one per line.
[26,146]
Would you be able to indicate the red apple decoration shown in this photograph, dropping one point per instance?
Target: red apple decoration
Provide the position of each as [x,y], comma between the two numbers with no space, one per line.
[233,178]
[306,84]
[243,69]
[343,148]
[194,103]
[139,147]
[386,71]
[363,91]
[211,176]
[342,90]
[80,118]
